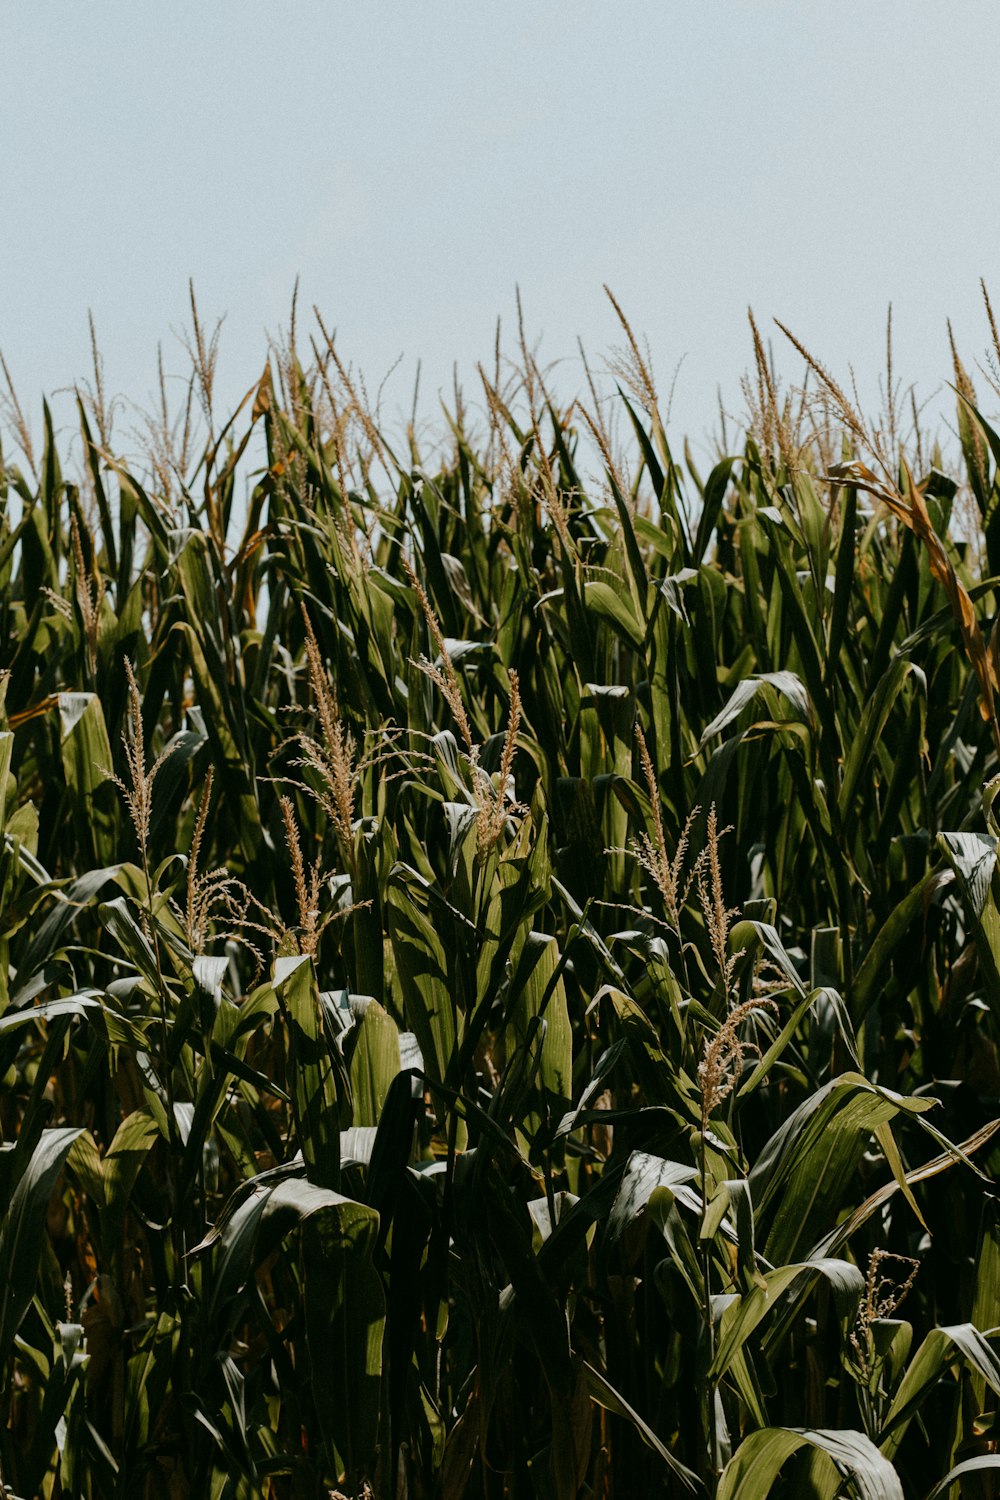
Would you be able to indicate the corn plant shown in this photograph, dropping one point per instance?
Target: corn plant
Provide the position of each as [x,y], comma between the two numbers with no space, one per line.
[501,947]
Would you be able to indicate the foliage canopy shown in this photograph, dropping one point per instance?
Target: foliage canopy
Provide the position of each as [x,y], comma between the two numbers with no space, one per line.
[500,967]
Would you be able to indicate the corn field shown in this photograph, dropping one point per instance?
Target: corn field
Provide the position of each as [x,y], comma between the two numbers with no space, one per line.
[500,985]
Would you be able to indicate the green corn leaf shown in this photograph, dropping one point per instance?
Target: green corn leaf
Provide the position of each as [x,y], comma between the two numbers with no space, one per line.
[429,1002]
[374,1063]
[800,1177]
[122,1164]
[942,1348]
[787,683]
[744,1313]
[604,1393]
[319,1085]
[609,605]
[22,1228]
[751,1473]
[967,1466]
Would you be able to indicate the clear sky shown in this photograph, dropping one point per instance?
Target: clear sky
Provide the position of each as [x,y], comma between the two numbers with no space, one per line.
[414,162]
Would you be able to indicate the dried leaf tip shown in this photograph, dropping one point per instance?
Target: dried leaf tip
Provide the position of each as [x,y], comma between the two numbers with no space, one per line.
[89,593]
[209,892]
[888,1279]
[496,802]
[666,871]
[138,791]
[711,897]
[333,756]
[444,678]
[720,1067]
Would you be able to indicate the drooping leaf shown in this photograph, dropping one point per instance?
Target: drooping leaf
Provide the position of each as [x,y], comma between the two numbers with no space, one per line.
[751,1472]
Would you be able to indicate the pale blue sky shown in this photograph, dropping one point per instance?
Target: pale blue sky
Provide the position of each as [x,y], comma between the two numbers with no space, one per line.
[413,162]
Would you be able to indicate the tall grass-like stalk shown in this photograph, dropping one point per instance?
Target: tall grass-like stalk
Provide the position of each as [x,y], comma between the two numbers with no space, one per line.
[657,1057]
